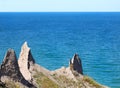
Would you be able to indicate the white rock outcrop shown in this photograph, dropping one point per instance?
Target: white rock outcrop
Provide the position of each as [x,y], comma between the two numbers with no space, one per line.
[26,62]
[74,69]
[65,72]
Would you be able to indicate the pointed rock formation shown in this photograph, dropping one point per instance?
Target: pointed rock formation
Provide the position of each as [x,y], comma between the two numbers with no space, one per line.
[74,69]
[9,66]
[26,62]
[75,64]
[12,75]
[10,69]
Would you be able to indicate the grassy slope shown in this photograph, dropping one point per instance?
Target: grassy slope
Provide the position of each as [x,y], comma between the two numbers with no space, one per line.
[44,82]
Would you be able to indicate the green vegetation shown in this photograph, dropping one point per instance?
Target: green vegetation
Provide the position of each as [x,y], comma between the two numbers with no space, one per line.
[44,82]
[65,81]
[91,82]
[81,82]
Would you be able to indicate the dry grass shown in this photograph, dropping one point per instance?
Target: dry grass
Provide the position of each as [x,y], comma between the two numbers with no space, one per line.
[92,82]
[44,82]
[66,82]
[80,83]
[11,84]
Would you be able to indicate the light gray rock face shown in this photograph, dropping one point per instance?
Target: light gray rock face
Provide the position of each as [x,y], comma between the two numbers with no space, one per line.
[26,62]
[75,64]
[9,68]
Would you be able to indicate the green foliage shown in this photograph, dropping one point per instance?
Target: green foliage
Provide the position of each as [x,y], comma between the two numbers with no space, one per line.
[81,82]
[44,82]
[66,82]
[92,82]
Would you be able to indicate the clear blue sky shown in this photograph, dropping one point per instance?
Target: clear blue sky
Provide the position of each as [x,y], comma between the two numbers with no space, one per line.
[59,5]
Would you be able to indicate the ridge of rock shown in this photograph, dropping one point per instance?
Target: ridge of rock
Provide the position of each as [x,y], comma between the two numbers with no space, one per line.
[76,64]
[26,62]
[74,69]
[25,73]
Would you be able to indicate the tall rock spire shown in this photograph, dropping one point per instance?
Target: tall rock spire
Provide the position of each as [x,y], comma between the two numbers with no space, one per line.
[75,64]
[26,61]
[10,68]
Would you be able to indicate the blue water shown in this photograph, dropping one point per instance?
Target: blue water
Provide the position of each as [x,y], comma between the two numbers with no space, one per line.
[55,37]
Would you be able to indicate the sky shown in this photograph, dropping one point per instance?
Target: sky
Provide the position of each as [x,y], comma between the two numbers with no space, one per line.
[59,5]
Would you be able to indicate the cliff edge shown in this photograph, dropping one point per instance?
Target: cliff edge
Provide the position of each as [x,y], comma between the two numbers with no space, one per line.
[25,73]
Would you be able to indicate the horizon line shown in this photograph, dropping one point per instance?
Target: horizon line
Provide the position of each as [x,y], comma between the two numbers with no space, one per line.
[59,11]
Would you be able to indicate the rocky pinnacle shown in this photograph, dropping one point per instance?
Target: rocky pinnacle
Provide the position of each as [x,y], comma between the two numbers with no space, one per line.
[10,68]
[75,64]
[26,62]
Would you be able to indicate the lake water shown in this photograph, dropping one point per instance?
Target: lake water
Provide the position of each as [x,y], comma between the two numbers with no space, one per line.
[55,37]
